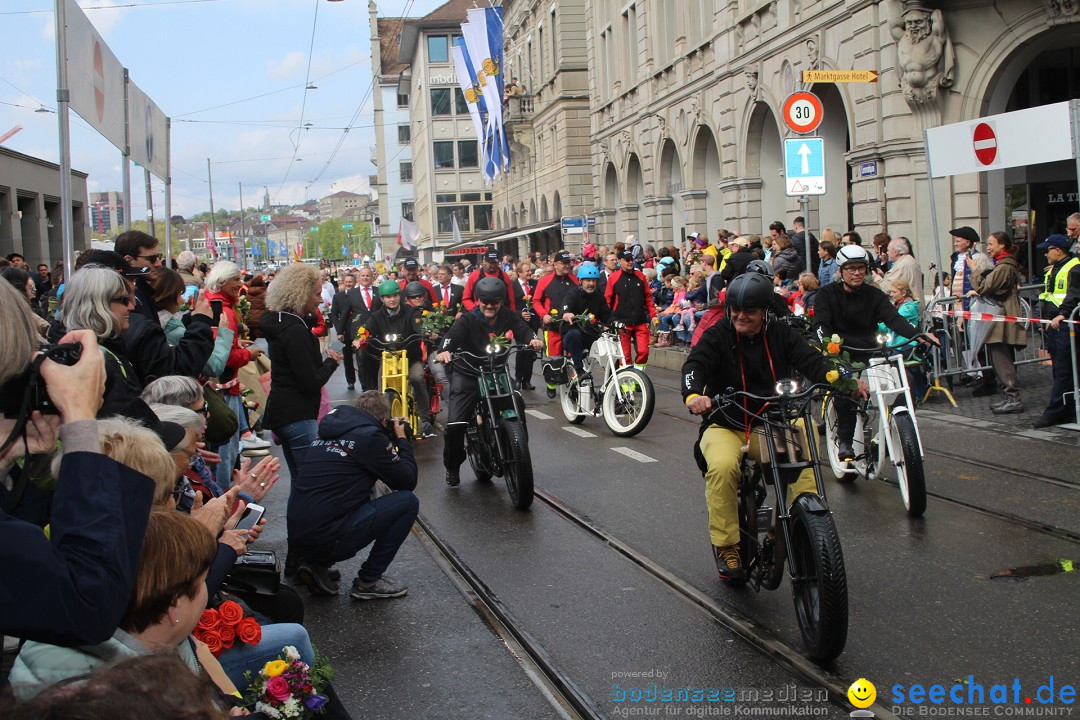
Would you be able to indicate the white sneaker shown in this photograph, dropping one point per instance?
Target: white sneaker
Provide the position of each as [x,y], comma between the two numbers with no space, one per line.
[251,441]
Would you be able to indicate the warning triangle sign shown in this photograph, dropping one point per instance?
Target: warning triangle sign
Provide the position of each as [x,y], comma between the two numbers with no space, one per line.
[798,187]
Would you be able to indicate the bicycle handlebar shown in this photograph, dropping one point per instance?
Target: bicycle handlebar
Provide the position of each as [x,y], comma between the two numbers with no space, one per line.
[885,349]
[391,340]
[730,395]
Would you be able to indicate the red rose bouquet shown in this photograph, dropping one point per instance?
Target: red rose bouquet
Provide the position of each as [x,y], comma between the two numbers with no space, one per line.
[220,629]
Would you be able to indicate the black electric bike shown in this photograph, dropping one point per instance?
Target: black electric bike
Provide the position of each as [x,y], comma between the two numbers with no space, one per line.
[496,440]
[803,539]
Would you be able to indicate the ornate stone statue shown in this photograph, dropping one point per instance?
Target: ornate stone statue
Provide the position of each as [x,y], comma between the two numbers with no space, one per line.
[925,57]
[752,80]
[1063,8]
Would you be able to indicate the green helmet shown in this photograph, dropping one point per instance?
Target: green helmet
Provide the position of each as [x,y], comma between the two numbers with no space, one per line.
[389,287]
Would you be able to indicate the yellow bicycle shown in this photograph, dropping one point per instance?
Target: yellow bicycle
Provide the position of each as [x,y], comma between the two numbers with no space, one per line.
[394,378]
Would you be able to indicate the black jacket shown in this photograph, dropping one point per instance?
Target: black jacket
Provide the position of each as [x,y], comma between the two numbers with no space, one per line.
[722,359]
[144,299]
[122,386]
[297,369]
[522,306]
[579,302]
[736,265]
[353,450]
[854,316]
[73,587]
[472,332]
[355,312]
[152,356]
[629,297]
[405,322]
[456,293]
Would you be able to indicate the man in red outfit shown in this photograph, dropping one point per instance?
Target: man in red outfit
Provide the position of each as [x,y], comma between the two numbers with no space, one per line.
[631,304]
[550,294]
[490,268]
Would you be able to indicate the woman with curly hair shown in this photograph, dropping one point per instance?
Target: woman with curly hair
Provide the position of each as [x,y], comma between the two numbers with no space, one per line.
[297,368]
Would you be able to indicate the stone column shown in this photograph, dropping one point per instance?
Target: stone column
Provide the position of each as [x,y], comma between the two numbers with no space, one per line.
[742,203]
[696,212]
[659,210]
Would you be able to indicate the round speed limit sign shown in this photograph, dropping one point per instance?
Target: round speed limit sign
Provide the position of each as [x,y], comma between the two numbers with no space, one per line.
[803,112]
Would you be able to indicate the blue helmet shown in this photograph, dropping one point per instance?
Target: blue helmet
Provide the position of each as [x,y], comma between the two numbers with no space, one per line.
[587,270]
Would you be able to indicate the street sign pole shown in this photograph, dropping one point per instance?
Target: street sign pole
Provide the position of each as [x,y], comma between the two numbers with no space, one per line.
[804,201]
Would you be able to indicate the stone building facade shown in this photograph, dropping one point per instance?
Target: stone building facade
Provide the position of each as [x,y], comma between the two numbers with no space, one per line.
[685,111]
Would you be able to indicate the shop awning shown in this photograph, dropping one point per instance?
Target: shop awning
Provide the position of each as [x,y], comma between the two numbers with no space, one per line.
[507,235]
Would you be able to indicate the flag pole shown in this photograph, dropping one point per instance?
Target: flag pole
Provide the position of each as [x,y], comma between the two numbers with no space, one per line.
[62,98]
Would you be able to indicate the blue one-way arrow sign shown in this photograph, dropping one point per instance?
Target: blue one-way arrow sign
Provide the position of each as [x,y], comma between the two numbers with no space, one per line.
[804,161]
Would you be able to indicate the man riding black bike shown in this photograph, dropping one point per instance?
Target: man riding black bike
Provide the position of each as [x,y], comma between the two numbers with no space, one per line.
[852,309]
[746,351]
[472,332]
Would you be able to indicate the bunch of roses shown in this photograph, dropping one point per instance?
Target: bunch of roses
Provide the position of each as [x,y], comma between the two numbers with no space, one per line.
[220,629]
[362,336]
[288,687]
[842,371]
[501,342]
[437,320]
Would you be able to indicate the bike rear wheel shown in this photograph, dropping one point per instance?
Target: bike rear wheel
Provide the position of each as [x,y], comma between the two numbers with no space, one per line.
[628,416]
[909,464]
[397,407]
[517,465]
[819,582]
[570,403]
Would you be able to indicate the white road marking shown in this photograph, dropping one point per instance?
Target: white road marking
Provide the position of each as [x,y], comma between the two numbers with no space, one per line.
[537,414]
[577,431]
[634,455]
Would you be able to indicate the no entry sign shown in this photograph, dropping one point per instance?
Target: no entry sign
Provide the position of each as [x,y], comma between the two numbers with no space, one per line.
[985,142]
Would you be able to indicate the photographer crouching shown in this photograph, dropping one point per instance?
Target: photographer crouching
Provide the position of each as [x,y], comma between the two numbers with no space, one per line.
[333,513]
[72,586]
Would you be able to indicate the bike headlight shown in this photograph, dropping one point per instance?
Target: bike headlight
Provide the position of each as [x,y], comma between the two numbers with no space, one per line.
[882,339]
[392,338]
[491,349]
[787,387]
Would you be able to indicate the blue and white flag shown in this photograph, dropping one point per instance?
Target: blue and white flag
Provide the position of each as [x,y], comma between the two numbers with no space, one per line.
[482,36]
[474,100]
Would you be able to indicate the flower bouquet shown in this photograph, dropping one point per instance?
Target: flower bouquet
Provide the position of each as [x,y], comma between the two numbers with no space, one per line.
[288,687]
[500,342]
[842,370]
[220,629]
[362,337]
[243,309]
[437,320]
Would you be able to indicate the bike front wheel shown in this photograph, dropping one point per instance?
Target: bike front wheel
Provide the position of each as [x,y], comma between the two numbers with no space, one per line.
[840,470]
[909,464]
[517,464]
[628,415]
[819,582]
[570,402]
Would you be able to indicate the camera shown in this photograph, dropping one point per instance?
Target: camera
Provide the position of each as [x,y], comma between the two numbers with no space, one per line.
[26,392]
[390,432]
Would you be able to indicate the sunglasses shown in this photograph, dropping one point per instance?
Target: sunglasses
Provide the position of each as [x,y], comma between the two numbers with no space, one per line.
[204,410]
[489,304]
[152,258]
[120,300]
[856,270]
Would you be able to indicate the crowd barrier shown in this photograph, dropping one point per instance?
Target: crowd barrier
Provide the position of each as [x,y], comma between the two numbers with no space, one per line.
[955,356]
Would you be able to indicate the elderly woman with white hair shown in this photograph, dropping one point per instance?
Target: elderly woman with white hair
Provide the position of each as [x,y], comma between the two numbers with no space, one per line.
[100,300]
[223,284]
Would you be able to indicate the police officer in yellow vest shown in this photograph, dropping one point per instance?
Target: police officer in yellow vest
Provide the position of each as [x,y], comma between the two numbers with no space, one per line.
[1061,291]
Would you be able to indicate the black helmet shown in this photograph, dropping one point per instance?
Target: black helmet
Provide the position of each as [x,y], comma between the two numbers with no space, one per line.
[749,291]
[760,267]
[490,289]
[415,289]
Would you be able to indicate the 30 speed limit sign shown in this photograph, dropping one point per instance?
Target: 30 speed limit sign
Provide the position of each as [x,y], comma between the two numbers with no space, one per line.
[803,112]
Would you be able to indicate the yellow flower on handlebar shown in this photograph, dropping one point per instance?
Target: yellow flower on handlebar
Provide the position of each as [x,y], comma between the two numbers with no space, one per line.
[832,376]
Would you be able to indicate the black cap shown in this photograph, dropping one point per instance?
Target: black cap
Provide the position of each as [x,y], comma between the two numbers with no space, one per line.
[966,232]
[171,434]
[114,260]
[626,255]
[563,256]
[492,255]
[411,264]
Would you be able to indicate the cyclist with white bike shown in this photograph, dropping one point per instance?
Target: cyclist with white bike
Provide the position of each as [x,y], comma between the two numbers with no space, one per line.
[852,309]
[579,301]
[746,351]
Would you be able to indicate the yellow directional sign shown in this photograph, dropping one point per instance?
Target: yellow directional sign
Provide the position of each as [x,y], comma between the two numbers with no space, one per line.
[838,76]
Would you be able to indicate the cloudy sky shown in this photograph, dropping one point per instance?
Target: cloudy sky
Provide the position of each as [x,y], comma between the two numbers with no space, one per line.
[232,75]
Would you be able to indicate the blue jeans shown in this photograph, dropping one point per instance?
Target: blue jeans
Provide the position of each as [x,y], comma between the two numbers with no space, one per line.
[385,520]
[241,657]
[296,438]
[230,450]
[576,342]
[1057,343]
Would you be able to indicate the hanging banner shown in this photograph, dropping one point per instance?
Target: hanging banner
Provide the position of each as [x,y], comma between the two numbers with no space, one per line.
[146,132]
[95,77]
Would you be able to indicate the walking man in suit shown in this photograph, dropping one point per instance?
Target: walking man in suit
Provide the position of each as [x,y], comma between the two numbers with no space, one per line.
[447,291]
[357,307]
[339,320]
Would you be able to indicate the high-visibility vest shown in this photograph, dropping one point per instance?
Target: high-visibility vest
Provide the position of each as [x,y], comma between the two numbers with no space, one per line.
[725,254]
[1054,289]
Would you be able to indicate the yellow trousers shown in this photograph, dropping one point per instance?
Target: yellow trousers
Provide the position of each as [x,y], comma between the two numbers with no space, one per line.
[722,448]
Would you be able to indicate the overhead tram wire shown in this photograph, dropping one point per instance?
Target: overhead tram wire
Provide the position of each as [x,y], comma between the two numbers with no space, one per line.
[303,103]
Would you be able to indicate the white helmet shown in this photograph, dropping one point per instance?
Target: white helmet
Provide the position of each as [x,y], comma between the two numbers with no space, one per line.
[852,254]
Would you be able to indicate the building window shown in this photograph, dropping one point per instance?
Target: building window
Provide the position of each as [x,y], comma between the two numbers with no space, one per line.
[403,100]
[470,197]
[630,31]
[438,49]
[540,43]
[441,198]
[406,171]
[482,217]
[460,106]
[403,134]
[444,215]
[443,152]
[440,101]
[407,211]
[554,43]
[468,156]
[487,196]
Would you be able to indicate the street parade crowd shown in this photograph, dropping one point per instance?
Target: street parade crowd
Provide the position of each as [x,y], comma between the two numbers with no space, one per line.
[143,395]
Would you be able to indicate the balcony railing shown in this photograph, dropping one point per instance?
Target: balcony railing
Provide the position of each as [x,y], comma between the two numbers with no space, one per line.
[518,109]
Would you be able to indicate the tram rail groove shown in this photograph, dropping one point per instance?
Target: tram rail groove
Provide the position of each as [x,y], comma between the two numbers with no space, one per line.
[745,627]
[564,695]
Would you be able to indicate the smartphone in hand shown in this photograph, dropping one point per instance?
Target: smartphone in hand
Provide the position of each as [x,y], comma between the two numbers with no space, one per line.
[252,515]
[216,306]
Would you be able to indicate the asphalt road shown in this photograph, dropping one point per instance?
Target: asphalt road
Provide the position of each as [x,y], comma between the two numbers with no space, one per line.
[923,607]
